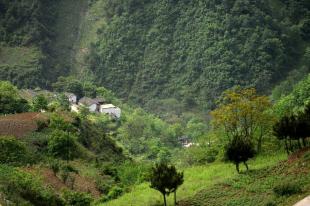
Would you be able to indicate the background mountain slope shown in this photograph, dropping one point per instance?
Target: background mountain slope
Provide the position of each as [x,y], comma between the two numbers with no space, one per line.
[189,51]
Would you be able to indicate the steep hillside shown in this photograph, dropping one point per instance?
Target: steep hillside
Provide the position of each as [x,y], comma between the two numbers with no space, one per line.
[181,54]
[193,50]
[37,40]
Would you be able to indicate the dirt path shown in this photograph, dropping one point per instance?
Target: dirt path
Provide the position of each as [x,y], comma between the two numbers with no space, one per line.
[304,202]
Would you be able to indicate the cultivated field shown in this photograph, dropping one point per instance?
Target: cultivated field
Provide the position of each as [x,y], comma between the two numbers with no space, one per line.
[18,125]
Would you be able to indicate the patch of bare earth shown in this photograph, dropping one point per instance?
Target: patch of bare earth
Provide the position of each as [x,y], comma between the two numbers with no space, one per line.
[19,125]
[81,184]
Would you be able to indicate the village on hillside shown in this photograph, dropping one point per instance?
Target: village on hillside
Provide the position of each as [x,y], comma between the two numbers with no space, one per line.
[94,105]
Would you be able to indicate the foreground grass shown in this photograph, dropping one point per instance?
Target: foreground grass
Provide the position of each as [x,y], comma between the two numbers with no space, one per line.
[256,187]
[196,178]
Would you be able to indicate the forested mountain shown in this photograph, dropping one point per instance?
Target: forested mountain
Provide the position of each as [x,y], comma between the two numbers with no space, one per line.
[193,50]
[189,51]
[37,40]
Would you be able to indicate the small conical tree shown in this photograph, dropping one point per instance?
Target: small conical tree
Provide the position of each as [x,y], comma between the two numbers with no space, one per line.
[165,179]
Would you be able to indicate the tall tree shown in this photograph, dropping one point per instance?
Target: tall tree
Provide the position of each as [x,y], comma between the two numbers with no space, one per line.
[243,113]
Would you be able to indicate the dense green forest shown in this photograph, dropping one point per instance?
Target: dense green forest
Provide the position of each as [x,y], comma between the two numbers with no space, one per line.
[178,53]
[193,50]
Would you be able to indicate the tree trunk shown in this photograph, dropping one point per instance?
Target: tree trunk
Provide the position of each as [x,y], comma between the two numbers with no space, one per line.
[237,167]
[304,141]
[286,146]
[246,165]
[299,145]
[175,197]
[165,202]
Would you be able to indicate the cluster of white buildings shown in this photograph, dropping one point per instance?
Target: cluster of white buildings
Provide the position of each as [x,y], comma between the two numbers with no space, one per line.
[95,105]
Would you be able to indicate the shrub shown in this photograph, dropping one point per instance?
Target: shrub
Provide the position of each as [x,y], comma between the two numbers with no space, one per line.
[62,144]
[13,152]
[103,187]
[73,198]
[115,192]
[239,149]
[21,186]
[55,166]
[41,124]
[111,170]
[287,189]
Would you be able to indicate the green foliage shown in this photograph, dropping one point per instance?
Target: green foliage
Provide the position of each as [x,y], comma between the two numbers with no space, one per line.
[294,128]
[10,101]
[287,189]
[115,192]
[13,152]
[62,144]
[131,173]
[63,101]
[243,113]
[25,189]
[28,24]
[39,103]
[296,100]
[145,134]
[196,155]
[165,179]
[73,198]
[159,49]
[69,84]
[239,149]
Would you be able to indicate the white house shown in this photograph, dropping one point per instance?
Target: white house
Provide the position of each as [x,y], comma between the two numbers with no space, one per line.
[71,97]
[111,110]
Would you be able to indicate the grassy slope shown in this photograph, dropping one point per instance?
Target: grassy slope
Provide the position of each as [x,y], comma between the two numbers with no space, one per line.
[256,187]
[196,179]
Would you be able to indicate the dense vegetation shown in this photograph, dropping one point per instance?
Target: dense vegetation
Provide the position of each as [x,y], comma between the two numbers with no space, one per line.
[194,50]
[176,59]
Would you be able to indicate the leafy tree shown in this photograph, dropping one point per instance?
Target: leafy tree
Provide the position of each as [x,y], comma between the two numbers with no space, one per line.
[69,84]
[238,150]
[10,101]
[13,151]
[62,144]
[165,179]
[63,101]
[89,89]
[293,127]
[243,113]
[39,103]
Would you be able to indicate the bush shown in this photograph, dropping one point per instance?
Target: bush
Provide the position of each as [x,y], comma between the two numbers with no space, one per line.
[55,166]
[133,173]
[103,186]
[77,198]
[287,189]
[115,192]
[111,170]
[62,144]
[25,188]
[41,124]
[13,152]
